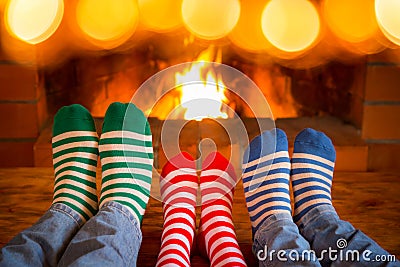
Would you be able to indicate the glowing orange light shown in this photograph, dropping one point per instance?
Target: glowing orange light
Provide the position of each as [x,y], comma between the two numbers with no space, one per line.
[160,15]
[108,23]
[211,88]
[248,34]
[290,25]
[34,21]
[210,19]
[353,21]
[388,16]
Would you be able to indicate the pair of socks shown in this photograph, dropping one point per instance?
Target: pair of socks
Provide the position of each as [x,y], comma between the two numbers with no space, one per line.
[267,172]
[126,155]
[216,237]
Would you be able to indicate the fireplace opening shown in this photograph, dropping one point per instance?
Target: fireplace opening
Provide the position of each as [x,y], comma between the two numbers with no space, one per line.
[331,93]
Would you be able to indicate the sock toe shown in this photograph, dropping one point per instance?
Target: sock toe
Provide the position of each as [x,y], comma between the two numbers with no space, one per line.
[114,118]
[126,117]
[182,160]
[73,118]
[266,143]
[216,160]
[316,143]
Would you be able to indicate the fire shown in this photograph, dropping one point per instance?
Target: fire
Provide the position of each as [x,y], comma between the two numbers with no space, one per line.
[205,99]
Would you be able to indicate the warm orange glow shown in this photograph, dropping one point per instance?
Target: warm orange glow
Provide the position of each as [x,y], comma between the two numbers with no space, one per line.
[108,23]
[248,33]
[34,21]
[353,21]
[290,25]
[160,15]
[388,16]
[210,19]
[212,87]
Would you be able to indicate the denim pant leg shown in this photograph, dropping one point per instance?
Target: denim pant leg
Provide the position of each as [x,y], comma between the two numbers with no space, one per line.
[278,243]
[325,231]
[43,243]
[111,238]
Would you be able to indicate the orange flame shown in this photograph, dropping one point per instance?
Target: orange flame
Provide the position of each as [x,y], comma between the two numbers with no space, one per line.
[211,90]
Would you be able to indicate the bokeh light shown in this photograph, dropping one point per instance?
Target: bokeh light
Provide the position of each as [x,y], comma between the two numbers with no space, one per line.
[210,19]
[354,26]
[388,16]
[291,26]
[108,23]
[160,15]
[353,21]
[248,33]
[33,21]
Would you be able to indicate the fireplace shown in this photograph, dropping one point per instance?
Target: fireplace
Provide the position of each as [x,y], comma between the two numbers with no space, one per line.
[337,70]
[352,95]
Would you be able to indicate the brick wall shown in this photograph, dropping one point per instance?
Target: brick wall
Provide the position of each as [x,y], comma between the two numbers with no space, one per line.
[381,119]
[23,112]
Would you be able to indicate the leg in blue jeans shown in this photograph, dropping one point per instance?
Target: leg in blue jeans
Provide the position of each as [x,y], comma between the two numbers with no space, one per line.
[44,243]
[266,174]
[278,243]
[323,228]
[112,238]
[75,154]
[336,242]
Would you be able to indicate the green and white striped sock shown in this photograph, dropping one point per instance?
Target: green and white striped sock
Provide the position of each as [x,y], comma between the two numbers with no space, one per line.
[126,155]
[75,153]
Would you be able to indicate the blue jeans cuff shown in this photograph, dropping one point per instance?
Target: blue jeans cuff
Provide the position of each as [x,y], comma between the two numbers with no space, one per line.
[282,218]
[273,219]
[113,205]
[63,208]
[315,213]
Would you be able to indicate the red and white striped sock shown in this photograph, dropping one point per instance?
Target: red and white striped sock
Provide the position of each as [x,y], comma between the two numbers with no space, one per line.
[216,232]
[178,184]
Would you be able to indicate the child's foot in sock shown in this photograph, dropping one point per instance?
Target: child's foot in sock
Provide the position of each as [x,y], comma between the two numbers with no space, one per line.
[313,162]
[126,155]
[178,185]
[75,152]
[266,173]
[217,236]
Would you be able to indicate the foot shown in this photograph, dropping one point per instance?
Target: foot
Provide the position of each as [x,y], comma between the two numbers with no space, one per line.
[217,237]
[313,162]
[75,152]
[266,173]
[126,156]
[178,184]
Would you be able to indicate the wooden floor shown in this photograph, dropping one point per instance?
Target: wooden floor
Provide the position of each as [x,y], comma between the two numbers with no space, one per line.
[370,201]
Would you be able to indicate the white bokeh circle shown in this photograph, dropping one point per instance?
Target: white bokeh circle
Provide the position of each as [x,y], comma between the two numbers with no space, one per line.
[159,85]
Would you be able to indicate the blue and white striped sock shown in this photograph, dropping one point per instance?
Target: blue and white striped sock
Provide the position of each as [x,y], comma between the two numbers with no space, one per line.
[313,162]
[266,173]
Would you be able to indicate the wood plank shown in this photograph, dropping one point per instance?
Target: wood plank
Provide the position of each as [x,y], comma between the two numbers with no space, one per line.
[370,201]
